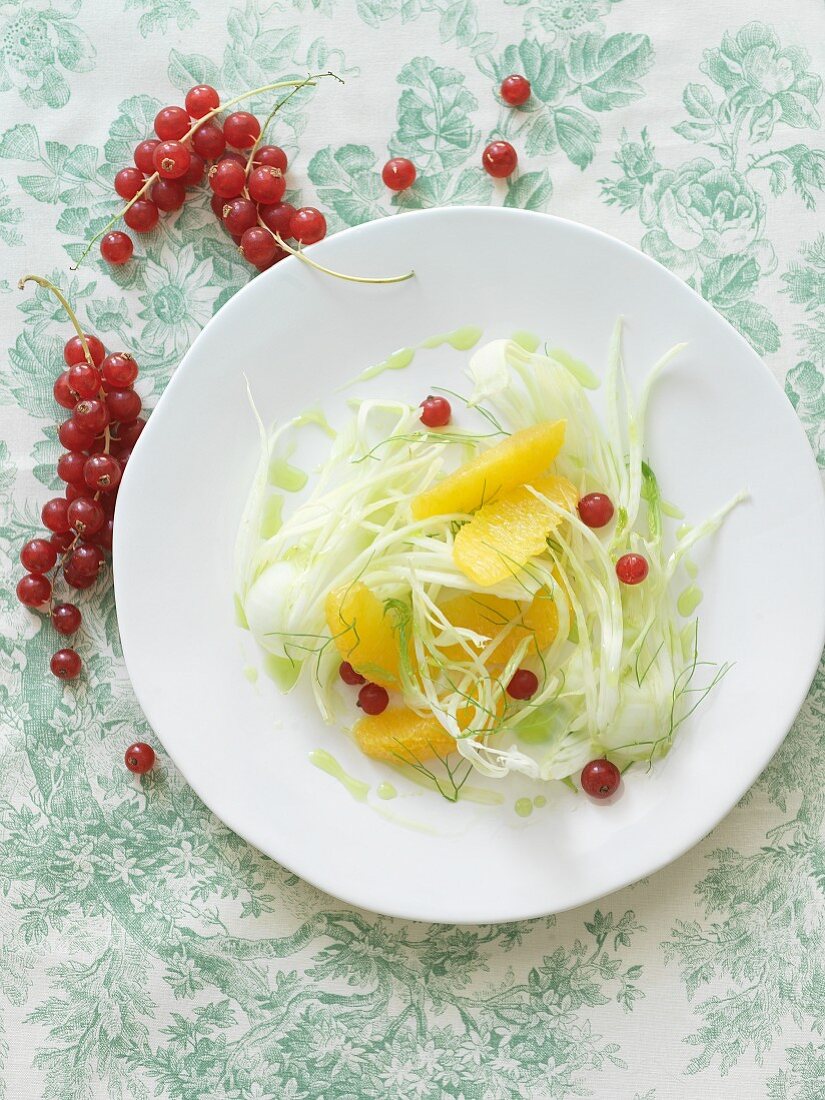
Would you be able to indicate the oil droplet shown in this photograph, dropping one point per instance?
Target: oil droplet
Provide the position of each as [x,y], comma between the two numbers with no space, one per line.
[671,510]
[689,600]
[282,671]
[285,476]
[691,568]
[524,807]
[539,801]
[386,791]
[527,340]
[271,516]
[327,763]
[577,368]
[683,530]
[240,614]
[251,673]
[462,339]
[317,417]
[397,361]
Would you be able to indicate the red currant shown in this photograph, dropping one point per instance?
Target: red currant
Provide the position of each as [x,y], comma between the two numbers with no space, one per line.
[33,590]
[523,685]
[91,415]
[499,159]
[116,248]
[171,160]
[271,155]
[84,380]
[236,158]
[38,556]
[66,618]
[144,156]
[239,215]
[349,675]
[140,758]
[270,261]
[194,173]
[64,395]
[171,123]
[435,411]
[70,467]
[515,90]
[258,245]
[241,129]
[632,568]
[62,542]
[73,437]
[86,559]
[104,535]
[596,509]
[123,405]
[227,178]
[102,473]
[307,225]
[168,195]
[373,699]
[600,778]
[66,664]
[86,516]
[142,216]
[119,370]
[201,99]
[128,182]
[75,579]
[277,217]
[129,433]
[74,352]
[208,141]
[55,515]
[75,492]
[266,184]
[398,174]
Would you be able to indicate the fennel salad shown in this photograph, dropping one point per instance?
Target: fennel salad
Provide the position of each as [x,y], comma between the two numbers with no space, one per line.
[484,583]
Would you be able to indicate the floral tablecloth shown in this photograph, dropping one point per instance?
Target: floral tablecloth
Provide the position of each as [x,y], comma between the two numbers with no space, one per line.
[144,949]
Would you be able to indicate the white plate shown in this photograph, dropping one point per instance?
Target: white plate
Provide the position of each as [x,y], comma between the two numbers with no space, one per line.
[719,422]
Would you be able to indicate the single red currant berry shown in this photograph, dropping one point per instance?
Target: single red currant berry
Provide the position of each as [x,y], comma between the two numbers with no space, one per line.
[349,675]
[142,216]
[140,758]
[116,248]
[632,568]
[600,778]
[75,579]
[104,535]
[171,123]
[33,590]
[128,182]
[144,156]
[523,685]
[435,411]
[128,434]
[270,261]
[373,699]
[194,173]
[74,352]
[62,542]
[74,438]
[70,467]
[75,492]
[217,203]
[201,99]
[38,556]
[398,174]
[55,515]
[227,178]
[258,245]
[123,405]
[171,159]
[66,664]
[236,158]
[84,380]
[515,90]
[119,370]
[66,618]
[596,509]
[168,195]
[102,473]
[208,141]
[239,215]
[86,559]
[91,415]
[272,155]
[499,159]
[307,225]
[266,184]
[64,395]
[277,217]
[86,516]
[241,129]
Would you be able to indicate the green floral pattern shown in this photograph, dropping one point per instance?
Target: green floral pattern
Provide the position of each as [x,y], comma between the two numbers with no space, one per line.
[145,950]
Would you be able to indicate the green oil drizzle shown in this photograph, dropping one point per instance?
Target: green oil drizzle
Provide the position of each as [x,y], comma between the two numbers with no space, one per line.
[671,510]
[327,763]
[539,801]
[315,416]
[462,339]
[527,340]
[386,791]
[523,807]
[285,476]
[397,361]
[691,568]
[282,671]
[683,530]
[271,519]
[577,368]
[689,600]
[240,614]
[251,673]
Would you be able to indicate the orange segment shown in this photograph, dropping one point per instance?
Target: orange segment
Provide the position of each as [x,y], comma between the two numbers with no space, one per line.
[363,632]
[520,458]
[488,614]
[400,735]
[503,535]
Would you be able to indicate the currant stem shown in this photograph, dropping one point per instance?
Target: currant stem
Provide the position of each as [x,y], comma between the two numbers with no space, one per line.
[70,313]
[299,252]
[259,139]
